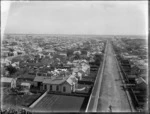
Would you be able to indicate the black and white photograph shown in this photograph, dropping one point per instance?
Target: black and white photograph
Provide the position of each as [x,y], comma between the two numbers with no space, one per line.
[74,56]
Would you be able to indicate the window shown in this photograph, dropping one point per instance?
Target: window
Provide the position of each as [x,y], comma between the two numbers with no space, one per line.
[64,89]
[57,88]
[51,87]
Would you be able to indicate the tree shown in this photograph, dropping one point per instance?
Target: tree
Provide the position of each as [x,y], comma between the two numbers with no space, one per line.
[77,56]
[11,69]
[84,52]
[98,58]
[69,53]
[11,49]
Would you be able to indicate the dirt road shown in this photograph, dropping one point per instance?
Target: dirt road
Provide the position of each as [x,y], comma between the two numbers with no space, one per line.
[112,92]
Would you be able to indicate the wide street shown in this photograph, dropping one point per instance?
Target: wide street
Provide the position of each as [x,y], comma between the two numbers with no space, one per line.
[111,92]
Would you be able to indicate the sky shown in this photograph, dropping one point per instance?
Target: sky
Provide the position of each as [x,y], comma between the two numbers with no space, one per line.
[78,17]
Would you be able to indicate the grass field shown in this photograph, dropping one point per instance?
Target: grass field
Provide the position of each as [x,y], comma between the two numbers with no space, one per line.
[59,103]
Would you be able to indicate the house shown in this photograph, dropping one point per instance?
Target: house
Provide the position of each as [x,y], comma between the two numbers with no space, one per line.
[64,84]
[8,82]
[141,83]
[72,81]
[141,66]
[55,84]
[86,69]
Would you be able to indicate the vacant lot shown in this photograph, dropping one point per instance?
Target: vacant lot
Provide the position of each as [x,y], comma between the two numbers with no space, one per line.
[59,103]
[15,101]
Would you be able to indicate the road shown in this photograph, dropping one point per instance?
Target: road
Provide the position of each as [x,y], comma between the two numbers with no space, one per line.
[111,92]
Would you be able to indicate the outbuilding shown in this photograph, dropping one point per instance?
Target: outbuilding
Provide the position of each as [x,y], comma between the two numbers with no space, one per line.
[25,85]
[8,82]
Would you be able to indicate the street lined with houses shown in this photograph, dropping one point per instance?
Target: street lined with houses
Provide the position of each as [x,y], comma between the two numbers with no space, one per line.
[112,92]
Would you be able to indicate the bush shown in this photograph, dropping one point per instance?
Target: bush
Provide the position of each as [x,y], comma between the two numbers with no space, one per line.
[11,69]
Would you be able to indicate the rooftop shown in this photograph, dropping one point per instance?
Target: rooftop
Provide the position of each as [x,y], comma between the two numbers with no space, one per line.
[59,103]
[5,79]
[57,80]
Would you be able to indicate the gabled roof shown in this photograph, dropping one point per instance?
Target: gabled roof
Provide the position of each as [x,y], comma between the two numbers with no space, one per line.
[56,80]
[85,68]
[140,80]
[79,74]
[70,81]
[25,84]
[5,79]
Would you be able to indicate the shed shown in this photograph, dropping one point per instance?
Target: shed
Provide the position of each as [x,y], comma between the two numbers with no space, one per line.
[8,82]
[25,85]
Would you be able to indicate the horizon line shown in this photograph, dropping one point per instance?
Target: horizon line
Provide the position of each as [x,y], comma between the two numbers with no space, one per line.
[76,34]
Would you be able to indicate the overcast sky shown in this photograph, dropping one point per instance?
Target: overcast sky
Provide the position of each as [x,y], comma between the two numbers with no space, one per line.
[78,17]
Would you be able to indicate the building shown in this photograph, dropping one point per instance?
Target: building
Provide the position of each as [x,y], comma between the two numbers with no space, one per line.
[25,85]
[8,82]
[141,83]
[38,81]
[5,62]
[64,84]
[59,84]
